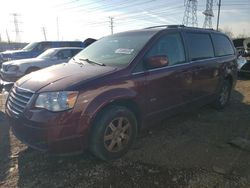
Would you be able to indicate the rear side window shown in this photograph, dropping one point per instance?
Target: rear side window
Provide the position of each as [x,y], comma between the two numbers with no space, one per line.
[200,46]
[74,52]
[64,54]
[44,46]
[76,44]
[222,45]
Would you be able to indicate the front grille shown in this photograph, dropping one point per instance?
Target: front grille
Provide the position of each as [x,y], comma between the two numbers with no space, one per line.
[18,100]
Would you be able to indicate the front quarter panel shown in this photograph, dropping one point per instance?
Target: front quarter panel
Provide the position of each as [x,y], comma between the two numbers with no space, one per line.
[91,101]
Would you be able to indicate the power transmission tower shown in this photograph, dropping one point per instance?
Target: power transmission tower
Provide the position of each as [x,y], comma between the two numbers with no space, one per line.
[190,14]
[16,24]
[111,25]
[208,14]
[44,33]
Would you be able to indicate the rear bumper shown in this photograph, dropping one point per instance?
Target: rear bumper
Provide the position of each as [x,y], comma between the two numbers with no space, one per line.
[54,137]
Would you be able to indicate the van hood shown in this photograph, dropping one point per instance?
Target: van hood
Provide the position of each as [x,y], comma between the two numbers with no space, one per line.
[60,77]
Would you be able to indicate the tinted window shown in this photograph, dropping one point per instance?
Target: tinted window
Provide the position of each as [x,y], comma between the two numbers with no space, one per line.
[171,46]
[76,44]
[200,46]
[44,46]
[64,54]
[64,44]
[75,51]
[222,45]
[31,46]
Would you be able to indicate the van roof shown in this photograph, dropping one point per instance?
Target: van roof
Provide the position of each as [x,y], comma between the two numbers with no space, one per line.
[158,28]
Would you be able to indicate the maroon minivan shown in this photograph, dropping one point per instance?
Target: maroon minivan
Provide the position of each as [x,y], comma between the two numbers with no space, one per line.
[120,84]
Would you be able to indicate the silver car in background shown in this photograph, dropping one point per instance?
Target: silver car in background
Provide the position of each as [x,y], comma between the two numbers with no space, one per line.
[11,71]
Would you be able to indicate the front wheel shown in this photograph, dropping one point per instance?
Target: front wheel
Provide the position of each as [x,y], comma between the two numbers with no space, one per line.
[223,96]
[113,133]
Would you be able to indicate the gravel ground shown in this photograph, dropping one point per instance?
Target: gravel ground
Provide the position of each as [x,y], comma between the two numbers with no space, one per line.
[194,149]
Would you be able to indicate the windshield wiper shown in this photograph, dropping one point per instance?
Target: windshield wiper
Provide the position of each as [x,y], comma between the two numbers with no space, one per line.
[78,62]
[92,62]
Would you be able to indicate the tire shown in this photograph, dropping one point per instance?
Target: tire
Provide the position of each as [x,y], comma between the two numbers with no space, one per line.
[223,96]
[113,133]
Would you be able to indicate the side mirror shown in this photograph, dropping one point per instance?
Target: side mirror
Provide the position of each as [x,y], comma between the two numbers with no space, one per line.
[157,61]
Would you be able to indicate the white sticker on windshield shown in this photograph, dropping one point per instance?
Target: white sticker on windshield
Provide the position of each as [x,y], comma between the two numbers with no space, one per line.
[124,51]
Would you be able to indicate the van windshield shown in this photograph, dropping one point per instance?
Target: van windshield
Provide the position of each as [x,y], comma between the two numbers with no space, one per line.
[116,50]
[30,46]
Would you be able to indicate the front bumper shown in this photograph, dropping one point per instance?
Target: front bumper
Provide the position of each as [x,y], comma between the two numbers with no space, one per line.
[58,133]
[10,76]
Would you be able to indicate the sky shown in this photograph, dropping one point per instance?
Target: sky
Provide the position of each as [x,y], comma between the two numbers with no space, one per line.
[81,19]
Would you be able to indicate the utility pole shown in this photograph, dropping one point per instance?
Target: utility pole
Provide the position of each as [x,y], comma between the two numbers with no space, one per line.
[218,17]
[57,26]
[111,25]
[190,13]
[8,37]
[44,33]
[208,14]
[16,24]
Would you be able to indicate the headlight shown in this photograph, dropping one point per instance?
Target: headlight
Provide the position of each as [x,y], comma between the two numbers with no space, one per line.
[13,68]
[57,101]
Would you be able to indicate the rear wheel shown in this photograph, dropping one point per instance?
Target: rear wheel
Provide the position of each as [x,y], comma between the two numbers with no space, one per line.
[223,96]
[113,133]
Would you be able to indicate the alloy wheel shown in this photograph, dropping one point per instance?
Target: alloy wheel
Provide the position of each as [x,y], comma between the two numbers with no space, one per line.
[117,134]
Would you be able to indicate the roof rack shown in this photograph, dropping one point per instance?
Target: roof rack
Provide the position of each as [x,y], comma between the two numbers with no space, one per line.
[176,26]
[167,26]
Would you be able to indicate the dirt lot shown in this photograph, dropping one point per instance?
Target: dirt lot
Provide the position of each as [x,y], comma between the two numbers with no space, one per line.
[188,150]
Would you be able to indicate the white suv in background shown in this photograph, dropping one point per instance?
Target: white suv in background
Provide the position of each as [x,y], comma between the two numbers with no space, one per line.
[13,70]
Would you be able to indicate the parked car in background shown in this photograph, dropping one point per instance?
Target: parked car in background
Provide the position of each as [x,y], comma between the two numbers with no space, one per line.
[13,70]
[243,60]
[238,44]
[88,41]
[36,48]
[243,65]
[119,85]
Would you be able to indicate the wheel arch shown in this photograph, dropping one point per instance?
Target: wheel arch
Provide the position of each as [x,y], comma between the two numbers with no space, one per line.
[120,97]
